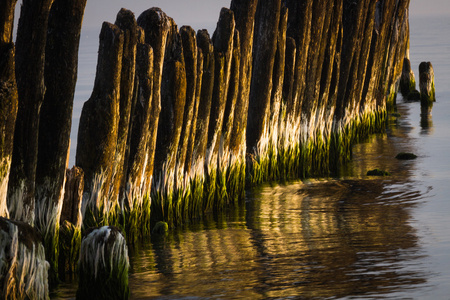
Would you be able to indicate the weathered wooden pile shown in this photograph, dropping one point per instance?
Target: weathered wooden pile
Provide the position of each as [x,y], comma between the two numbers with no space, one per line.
[179,123]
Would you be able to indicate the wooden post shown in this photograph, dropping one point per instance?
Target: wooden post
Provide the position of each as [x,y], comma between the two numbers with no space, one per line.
[189,43]
[244,15]
[173,99]
[327,82]
[265,46]
[126,21]
[408,80]
[398,44]
[8,99]
[223,50]
[156,26]
[97,133]
[289,73]
[278,81]
[24,270]
[299,28]
[426,84]
[73,196]
[204,108]
[198,90]
[232,95]
[331,70]
[353,27]
[70,223]
[30,61]
[55,120]
[103,265]
[139,179]
[316,54]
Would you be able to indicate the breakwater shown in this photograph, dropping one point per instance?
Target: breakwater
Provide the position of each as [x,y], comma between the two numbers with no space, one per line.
[180,122]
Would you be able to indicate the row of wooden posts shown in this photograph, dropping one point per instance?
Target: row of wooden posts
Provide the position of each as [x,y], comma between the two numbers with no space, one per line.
[180,123]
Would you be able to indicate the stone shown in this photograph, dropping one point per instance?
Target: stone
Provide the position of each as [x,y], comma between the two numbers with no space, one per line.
[405,156]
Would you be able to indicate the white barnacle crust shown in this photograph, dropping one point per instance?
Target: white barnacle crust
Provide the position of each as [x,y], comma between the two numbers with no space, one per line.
[17,209]
[23,268]
[100,252]
[48,211]
[103,263]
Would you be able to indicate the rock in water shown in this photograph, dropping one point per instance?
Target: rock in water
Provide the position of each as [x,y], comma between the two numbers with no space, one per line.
[406,156]
[23,268]
[103,266]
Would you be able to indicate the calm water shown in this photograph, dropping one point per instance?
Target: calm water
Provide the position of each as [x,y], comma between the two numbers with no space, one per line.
[353,237]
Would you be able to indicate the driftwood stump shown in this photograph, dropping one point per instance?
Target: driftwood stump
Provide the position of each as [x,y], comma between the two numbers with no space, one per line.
[103,265]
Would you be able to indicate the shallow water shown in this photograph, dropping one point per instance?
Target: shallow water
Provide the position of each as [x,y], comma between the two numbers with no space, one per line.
[352,237]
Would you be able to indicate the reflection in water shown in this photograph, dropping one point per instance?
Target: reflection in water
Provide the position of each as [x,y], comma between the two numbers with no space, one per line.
[321,239]
[335,238]
[426,121]
[315,239]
